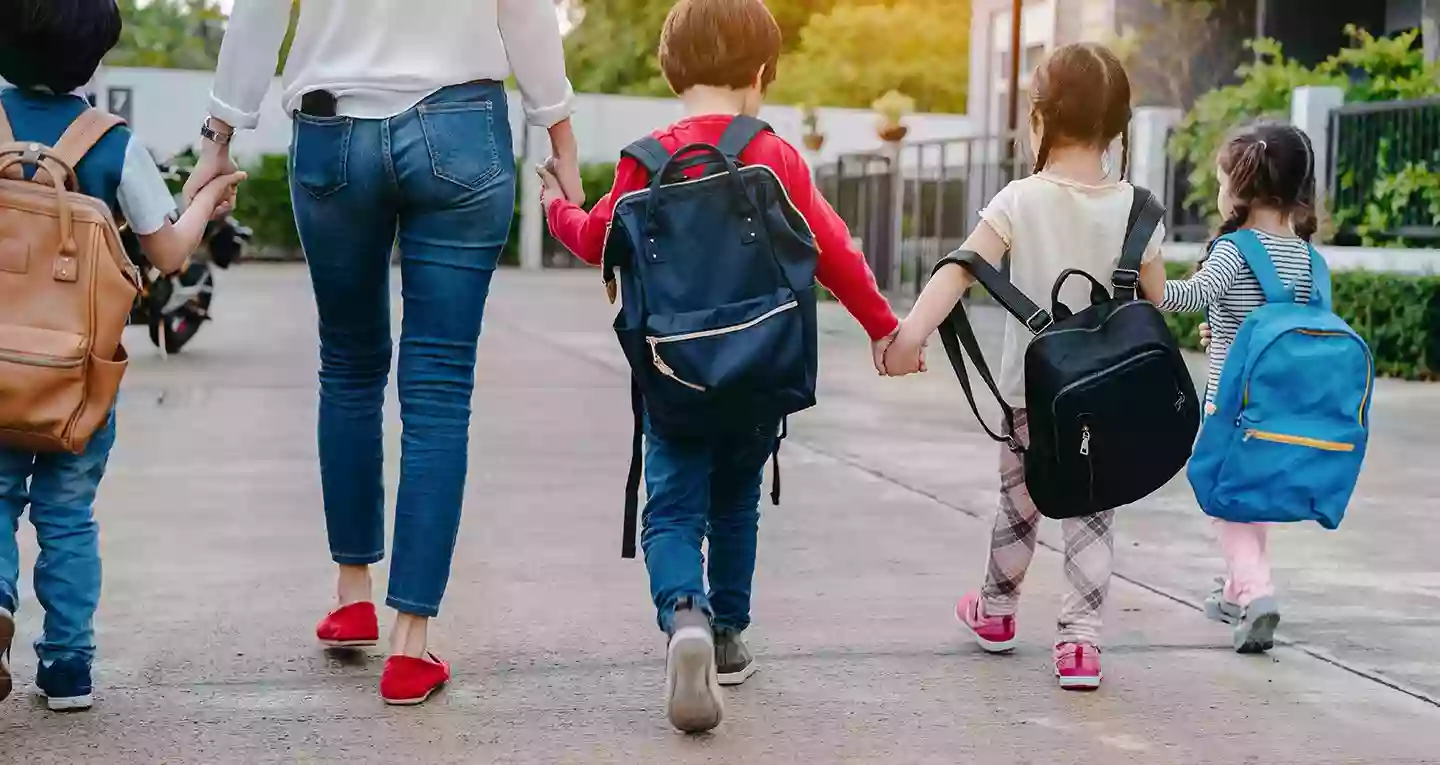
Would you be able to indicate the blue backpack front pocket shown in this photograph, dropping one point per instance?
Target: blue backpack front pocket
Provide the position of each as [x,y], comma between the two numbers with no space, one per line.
[752,345]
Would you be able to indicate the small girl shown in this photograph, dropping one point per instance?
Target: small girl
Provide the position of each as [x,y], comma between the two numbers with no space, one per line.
[1267,180]
[1072,213]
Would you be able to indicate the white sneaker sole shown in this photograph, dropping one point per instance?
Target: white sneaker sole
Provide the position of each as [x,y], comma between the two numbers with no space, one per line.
[692,688]
[736,678]
[989,646]
[1079,683]
[412,702]
[350,643]
[70,704]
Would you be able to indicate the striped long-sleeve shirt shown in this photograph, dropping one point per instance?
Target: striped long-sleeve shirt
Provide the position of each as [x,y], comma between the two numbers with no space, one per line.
[1227,290]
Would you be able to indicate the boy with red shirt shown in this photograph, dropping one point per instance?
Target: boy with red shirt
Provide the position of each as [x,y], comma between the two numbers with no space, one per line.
[719,56]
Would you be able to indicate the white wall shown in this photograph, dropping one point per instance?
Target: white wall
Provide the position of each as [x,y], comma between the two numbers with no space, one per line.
[168,105]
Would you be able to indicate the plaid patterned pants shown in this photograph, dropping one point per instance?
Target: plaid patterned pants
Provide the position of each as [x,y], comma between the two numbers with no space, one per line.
[1089,553]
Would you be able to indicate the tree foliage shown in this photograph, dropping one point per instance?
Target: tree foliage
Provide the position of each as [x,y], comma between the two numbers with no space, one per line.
[169,34]
[837,52]
[861,50]
[1371,69]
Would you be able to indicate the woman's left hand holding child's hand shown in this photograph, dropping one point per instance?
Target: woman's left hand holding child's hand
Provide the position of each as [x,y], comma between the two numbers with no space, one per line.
[906,354]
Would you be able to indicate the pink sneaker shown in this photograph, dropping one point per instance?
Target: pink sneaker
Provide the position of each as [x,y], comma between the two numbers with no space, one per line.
[995,634]
[1077,665]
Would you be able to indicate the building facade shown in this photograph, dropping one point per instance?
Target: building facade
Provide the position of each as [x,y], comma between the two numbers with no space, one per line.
[1172,58]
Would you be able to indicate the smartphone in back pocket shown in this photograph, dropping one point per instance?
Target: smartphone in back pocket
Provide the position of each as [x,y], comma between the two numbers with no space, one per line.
[318,103]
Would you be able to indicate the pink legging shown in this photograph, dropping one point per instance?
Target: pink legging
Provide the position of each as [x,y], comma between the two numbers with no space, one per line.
[1247,556]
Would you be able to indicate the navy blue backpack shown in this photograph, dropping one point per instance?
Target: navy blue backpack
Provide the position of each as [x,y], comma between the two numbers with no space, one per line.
[716,269]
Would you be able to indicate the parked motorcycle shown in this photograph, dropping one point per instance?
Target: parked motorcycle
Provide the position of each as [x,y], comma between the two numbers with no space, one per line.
[175,307]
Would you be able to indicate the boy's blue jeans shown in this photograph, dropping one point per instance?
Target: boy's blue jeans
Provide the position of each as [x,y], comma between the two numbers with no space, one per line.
[438,178]
[695,490]
[59,489]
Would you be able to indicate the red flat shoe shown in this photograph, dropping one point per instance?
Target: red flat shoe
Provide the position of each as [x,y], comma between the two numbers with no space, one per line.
[408,681]
[352,626]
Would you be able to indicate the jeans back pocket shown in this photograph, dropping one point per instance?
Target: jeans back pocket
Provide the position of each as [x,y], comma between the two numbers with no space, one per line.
[319,157]
[460,137]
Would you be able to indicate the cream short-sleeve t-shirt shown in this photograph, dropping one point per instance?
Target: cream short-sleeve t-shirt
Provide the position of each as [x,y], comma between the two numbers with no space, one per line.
[1051,224]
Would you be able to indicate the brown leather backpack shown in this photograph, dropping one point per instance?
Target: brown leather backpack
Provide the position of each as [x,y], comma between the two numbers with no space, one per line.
[66,289]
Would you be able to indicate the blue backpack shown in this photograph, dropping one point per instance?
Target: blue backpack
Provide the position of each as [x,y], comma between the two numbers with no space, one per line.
[1286,436]
[717,272]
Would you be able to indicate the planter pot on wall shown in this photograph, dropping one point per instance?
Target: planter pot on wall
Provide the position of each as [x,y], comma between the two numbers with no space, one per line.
[894,133]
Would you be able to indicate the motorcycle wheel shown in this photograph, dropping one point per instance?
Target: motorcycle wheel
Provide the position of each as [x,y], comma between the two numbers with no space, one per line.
[180,328]
[184,323]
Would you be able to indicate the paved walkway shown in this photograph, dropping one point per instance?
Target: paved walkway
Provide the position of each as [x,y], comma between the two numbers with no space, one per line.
[216,570]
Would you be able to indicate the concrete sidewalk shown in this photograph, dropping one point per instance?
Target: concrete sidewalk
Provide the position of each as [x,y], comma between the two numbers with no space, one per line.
[216,569]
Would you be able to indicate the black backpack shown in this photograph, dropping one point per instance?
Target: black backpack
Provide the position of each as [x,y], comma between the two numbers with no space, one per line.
[1112,408]
[717,270]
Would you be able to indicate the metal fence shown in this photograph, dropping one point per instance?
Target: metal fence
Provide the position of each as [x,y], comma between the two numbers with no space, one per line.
[936,187]
[1379,142]
[1184,222]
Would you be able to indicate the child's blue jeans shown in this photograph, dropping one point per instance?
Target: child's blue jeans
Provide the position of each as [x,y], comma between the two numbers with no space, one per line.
[60,490]
[696,490]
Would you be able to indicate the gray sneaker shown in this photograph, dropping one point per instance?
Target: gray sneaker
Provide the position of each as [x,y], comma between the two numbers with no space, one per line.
[1256,631]
[692,689]
[1217,608]
[733,660]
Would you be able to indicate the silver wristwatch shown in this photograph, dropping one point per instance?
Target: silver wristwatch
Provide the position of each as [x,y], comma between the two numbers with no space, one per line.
[211,134]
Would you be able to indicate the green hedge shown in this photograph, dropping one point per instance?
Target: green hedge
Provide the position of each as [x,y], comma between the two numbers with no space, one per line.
[1398,315]
[264,203]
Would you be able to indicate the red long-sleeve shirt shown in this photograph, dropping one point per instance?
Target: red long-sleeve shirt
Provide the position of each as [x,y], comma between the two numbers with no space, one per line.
[841,267]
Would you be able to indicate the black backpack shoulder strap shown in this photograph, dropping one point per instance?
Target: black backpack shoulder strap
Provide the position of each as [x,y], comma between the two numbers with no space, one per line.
[1035,318]
[649,152]
[739,133]
[958,336]
[1146,213]
[632,479]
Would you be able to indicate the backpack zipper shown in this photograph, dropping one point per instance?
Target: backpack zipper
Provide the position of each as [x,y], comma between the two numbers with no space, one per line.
[1284,438]
[720,176]
[665,369]
[1369,376]
[40,360]
[1084,440]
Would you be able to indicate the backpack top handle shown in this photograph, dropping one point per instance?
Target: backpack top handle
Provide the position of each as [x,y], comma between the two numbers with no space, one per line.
[732,171]
[56,174]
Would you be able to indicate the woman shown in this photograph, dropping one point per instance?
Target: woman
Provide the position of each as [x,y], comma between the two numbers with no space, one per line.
[401,134]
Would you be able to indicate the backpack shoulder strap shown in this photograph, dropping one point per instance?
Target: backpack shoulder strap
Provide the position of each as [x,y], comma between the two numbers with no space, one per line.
[1258,259]
[1146,212]
[6,134]
[1319,280]
[83,134]
[649,152]
[1035,318]
[958,336]
[739,133]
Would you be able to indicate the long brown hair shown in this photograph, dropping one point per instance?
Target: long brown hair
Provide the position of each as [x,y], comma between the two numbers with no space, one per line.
[1081,95]
[1271,164]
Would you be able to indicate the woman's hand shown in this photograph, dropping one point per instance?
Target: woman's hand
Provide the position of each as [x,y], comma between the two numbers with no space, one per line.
[1204,335]
[214,162]
[551,190]
[564,162]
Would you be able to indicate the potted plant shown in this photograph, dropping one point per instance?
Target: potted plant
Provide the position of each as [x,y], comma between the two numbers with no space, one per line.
[893,108]
[813,138]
